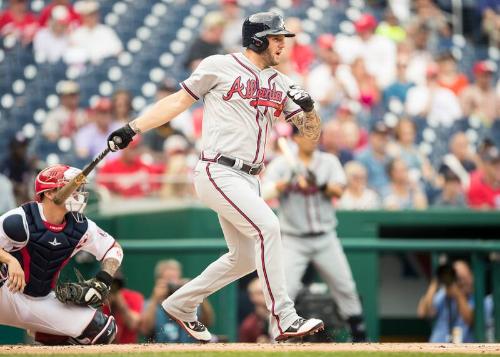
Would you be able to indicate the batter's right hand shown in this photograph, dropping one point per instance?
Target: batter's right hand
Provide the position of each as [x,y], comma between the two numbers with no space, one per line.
[120,138]
[16,280]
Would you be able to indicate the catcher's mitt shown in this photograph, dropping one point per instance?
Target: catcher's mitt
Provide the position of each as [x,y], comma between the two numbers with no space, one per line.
[92,292]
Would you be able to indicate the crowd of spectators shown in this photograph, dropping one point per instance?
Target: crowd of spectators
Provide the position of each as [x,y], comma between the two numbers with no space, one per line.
[376,89]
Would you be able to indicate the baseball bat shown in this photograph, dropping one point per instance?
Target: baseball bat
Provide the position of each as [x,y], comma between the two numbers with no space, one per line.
[79,179]
[287,154]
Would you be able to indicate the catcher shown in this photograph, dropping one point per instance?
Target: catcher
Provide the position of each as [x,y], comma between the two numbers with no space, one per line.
[37,240]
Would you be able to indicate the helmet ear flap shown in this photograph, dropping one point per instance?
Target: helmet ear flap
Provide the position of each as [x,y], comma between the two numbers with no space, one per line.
[258,44]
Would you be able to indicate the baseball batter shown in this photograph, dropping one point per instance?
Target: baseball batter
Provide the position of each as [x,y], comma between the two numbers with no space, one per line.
[37,240]
[307,218]
[243,97]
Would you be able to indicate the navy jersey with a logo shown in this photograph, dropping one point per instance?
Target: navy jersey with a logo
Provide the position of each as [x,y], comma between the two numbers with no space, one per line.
[43,249]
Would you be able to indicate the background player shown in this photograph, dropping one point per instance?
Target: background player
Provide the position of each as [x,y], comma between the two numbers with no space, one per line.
[243,97]
[37,240]
[307,220]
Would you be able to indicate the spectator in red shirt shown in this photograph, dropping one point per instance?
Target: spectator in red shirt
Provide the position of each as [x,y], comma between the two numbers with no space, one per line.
[128,175]
[484,189]
[254,327]
[301,54]
[448,74]
[18,21]
[126,307]
[45,15]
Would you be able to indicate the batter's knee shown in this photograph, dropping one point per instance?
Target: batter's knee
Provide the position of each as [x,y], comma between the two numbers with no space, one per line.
[270,227]
[100,331]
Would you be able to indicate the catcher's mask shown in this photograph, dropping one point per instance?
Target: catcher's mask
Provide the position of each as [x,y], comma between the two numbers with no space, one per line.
[56,176]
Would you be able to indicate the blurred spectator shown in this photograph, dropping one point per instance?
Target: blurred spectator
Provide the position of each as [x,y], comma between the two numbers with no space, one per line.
[490,11]
[375,157]
[330,82]
[367,89]
[419,57]
[255,327]
[178,172]
[460,159]
[452,193]
[128,175]
[429,15]
[484,189]
[209,41]
[231,38]
[8,201]
[19,168]
[18,21]
[378,52]
[357,196]
[180,125]
[122,106]
[47,13]
[489,317]
[332,141]
[449,301]
[402,193]
[50,43]
[301,54]
[67,118]
[93,41]
[125,306]
[405,148]
[432,101]
[91,138]
[394,96]
[448,75]
[479,99]
[155,324]
[390,27]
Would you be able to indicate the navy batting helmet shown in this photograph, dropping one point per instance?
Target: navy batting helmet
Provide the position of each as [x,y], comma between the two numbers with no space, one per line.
[258,26]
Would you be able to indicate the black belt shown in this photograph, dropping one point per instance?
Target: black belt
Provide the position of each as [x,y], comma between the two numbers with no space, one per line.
[227,161]
[305,235]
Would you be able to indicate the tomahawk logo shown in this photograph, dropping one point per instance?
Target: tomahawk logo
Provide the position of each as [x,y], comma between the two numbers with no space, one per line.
[54,243]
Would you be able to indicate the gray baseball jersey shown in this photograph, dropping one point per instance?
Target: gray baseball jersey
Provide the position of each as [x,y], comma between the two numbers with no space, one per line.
[306,212]
[307,220]
[242,102]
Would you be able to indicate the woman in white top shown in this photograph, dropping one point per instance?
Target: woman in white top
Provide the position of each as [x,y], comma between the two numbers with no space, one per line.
[356,195]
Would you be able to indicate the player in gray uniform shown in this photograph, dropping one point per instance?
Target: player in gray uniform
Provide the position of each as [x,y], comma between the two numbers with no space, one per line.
[305,188]
[243,97]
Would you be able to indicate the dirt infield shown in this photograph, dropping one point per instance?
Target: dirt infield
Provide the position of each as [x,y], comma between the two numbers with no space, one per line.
[493,349]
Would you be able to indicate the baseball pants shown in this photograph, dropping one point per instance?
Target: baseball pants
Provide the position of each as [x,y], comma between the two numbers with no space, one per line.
[327,255]
[252,232]
[43,314]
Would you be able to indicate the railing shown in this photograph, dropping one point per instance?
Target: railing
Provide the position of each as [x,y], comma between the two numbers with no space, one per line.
[479,251]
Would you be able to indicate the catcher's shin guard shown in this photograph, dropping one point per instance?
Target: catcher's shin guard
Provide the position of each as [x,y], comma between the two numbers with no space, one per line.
[101,331]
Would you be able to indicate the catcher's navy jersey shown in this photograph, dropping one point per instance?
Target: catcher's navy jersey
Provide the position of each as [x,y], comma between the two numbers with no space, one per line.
[47,248]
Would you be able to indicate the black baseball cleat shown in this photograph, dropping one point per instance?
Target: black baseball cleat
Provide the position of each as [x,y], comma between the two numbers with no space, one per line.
[301,327]
[195,329]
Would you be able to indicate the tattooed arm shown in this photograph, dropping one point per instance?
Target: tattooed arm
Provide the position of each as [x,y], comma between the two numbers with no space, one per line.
[308,123]
[112,260]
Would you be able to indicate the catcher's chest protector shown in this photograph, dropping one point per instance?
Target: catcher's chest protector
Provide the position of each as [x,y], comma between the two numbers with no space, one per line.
[46,252]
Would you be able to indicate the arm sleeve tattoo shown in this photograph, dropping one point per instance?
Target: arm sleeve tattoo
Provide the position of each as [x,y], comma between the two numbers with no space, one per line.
[134,127]
[308,123]
[110,265]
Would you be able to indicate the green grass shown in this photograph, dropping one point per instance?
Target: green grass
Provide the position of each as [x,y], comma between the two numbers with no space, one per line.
[260,354]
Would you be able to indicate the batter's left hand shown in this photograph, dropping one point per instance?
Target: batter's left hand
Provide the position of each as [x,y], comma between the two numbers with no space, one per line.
[301,98]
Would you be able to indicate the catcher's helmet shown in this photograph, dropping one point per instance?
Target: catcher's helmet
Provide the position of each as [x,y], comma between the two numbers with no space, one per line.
[56,176]
[258,26]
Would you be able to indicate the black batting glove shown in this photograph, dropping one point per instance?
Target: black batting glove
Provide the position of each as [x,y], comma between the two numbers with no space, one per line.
[120,138]
[301,98]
